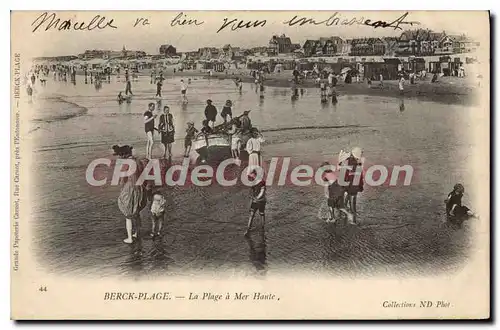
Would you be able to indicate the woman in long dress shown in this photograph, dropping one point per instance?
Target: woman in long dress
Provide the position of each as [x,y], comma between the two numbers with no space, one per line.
[253,149]
[132,198]
[167,129]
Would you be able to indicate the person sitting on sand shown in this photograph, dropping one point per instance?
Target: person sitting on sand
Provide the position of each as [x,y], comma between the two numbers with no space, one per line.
[157,213]
[226,111]
[258,198]
[434,77]
[133,197]
[457,213]
[188,140]
[120,98]
[210,112]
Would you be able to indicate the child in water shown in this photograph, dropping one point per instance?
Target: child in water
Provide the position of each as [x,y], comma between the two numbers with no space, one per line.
[188,140]
[157,213]
[334,193]
[456,212]
[322,87]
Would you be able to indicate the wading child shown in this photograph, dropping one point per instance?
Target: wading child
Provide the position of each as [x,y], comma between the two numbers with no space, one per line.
[334,193]
[235,139]
[188,140]
[157,213]
[258,198]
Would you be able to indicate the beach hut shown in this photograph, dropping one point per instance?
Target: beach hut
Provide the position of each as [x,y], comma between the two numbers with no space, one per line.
[392,67]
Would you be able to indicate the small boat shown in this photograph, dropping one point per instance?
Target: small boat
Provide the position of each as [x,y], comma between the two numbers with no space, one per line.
[217,146]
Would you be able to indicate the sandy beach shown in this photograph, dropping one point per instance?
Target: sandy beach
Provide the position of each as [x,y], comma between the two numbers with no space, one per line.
[81,228]
[448,90]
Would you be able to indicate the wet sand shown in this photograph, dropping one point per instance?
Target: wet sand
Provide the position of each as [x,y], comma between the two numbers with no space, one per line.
[80,229]
[448,90]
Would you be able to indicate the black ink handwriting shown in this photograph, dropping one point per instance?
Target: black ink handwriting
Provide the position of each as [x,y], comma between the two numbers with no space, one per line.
[54,22]
[334,19]
[142,20]
[394,24]
[180,19]
[241,24]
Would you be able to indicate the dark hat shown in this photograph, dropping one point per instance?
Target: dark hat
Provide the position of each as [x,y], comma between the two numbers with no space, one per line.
[122,151]
[209,101]
[229,103]
[246,112]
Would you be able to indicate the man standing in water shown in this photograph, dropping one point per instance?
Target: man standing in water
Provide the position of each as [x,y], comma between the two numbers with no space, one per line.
[159,83]
[258,197]
[210,113]
[128,86]
[183,92]
[149,127]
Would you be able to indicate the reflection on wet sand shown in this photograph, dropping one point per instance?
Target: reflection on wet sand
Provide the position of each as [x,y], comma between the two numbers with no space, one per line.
[257,250]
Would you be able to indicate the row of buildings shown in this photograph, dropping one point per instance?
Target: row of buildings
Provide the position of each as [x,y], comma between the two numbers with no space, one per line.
[418,42]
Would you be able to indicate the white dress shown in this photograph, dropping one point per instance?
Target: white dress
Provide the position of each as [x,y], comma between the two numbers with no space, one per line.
[253,149]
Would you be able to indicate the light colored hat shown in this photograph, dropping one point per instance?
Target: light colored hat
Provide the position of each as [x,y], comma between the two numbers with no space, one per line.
[190,123]
[343,156]
[356,152]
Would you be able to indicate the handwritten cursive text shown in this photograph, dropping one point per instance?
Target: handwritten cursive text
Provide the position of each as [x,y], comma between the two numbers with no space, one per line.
[335,19]
[54,22]
[180,19]
[394,24]
[241,24]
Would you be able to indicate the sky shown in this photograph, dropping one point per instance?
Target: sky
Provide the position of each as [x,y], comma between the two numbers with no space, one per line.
[160,29]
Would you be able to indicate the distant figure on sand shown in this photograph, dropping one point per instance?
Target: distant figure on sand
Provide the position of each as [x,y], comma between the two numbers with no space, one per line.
[183,91]
[132,198]
[120,98]
[401,85]
[29,91]
[159,84]
[323,93]
[239,84]
[210,112]
[258,199]
[149,127]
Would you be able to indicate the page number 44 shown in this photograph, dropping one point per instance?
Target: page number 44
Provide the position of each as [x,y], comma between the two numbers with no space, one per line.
[43,289]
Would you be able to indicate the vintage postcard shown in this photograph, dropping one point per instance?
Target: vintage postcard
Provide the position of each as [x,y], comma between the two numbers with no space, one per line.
[250,165]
